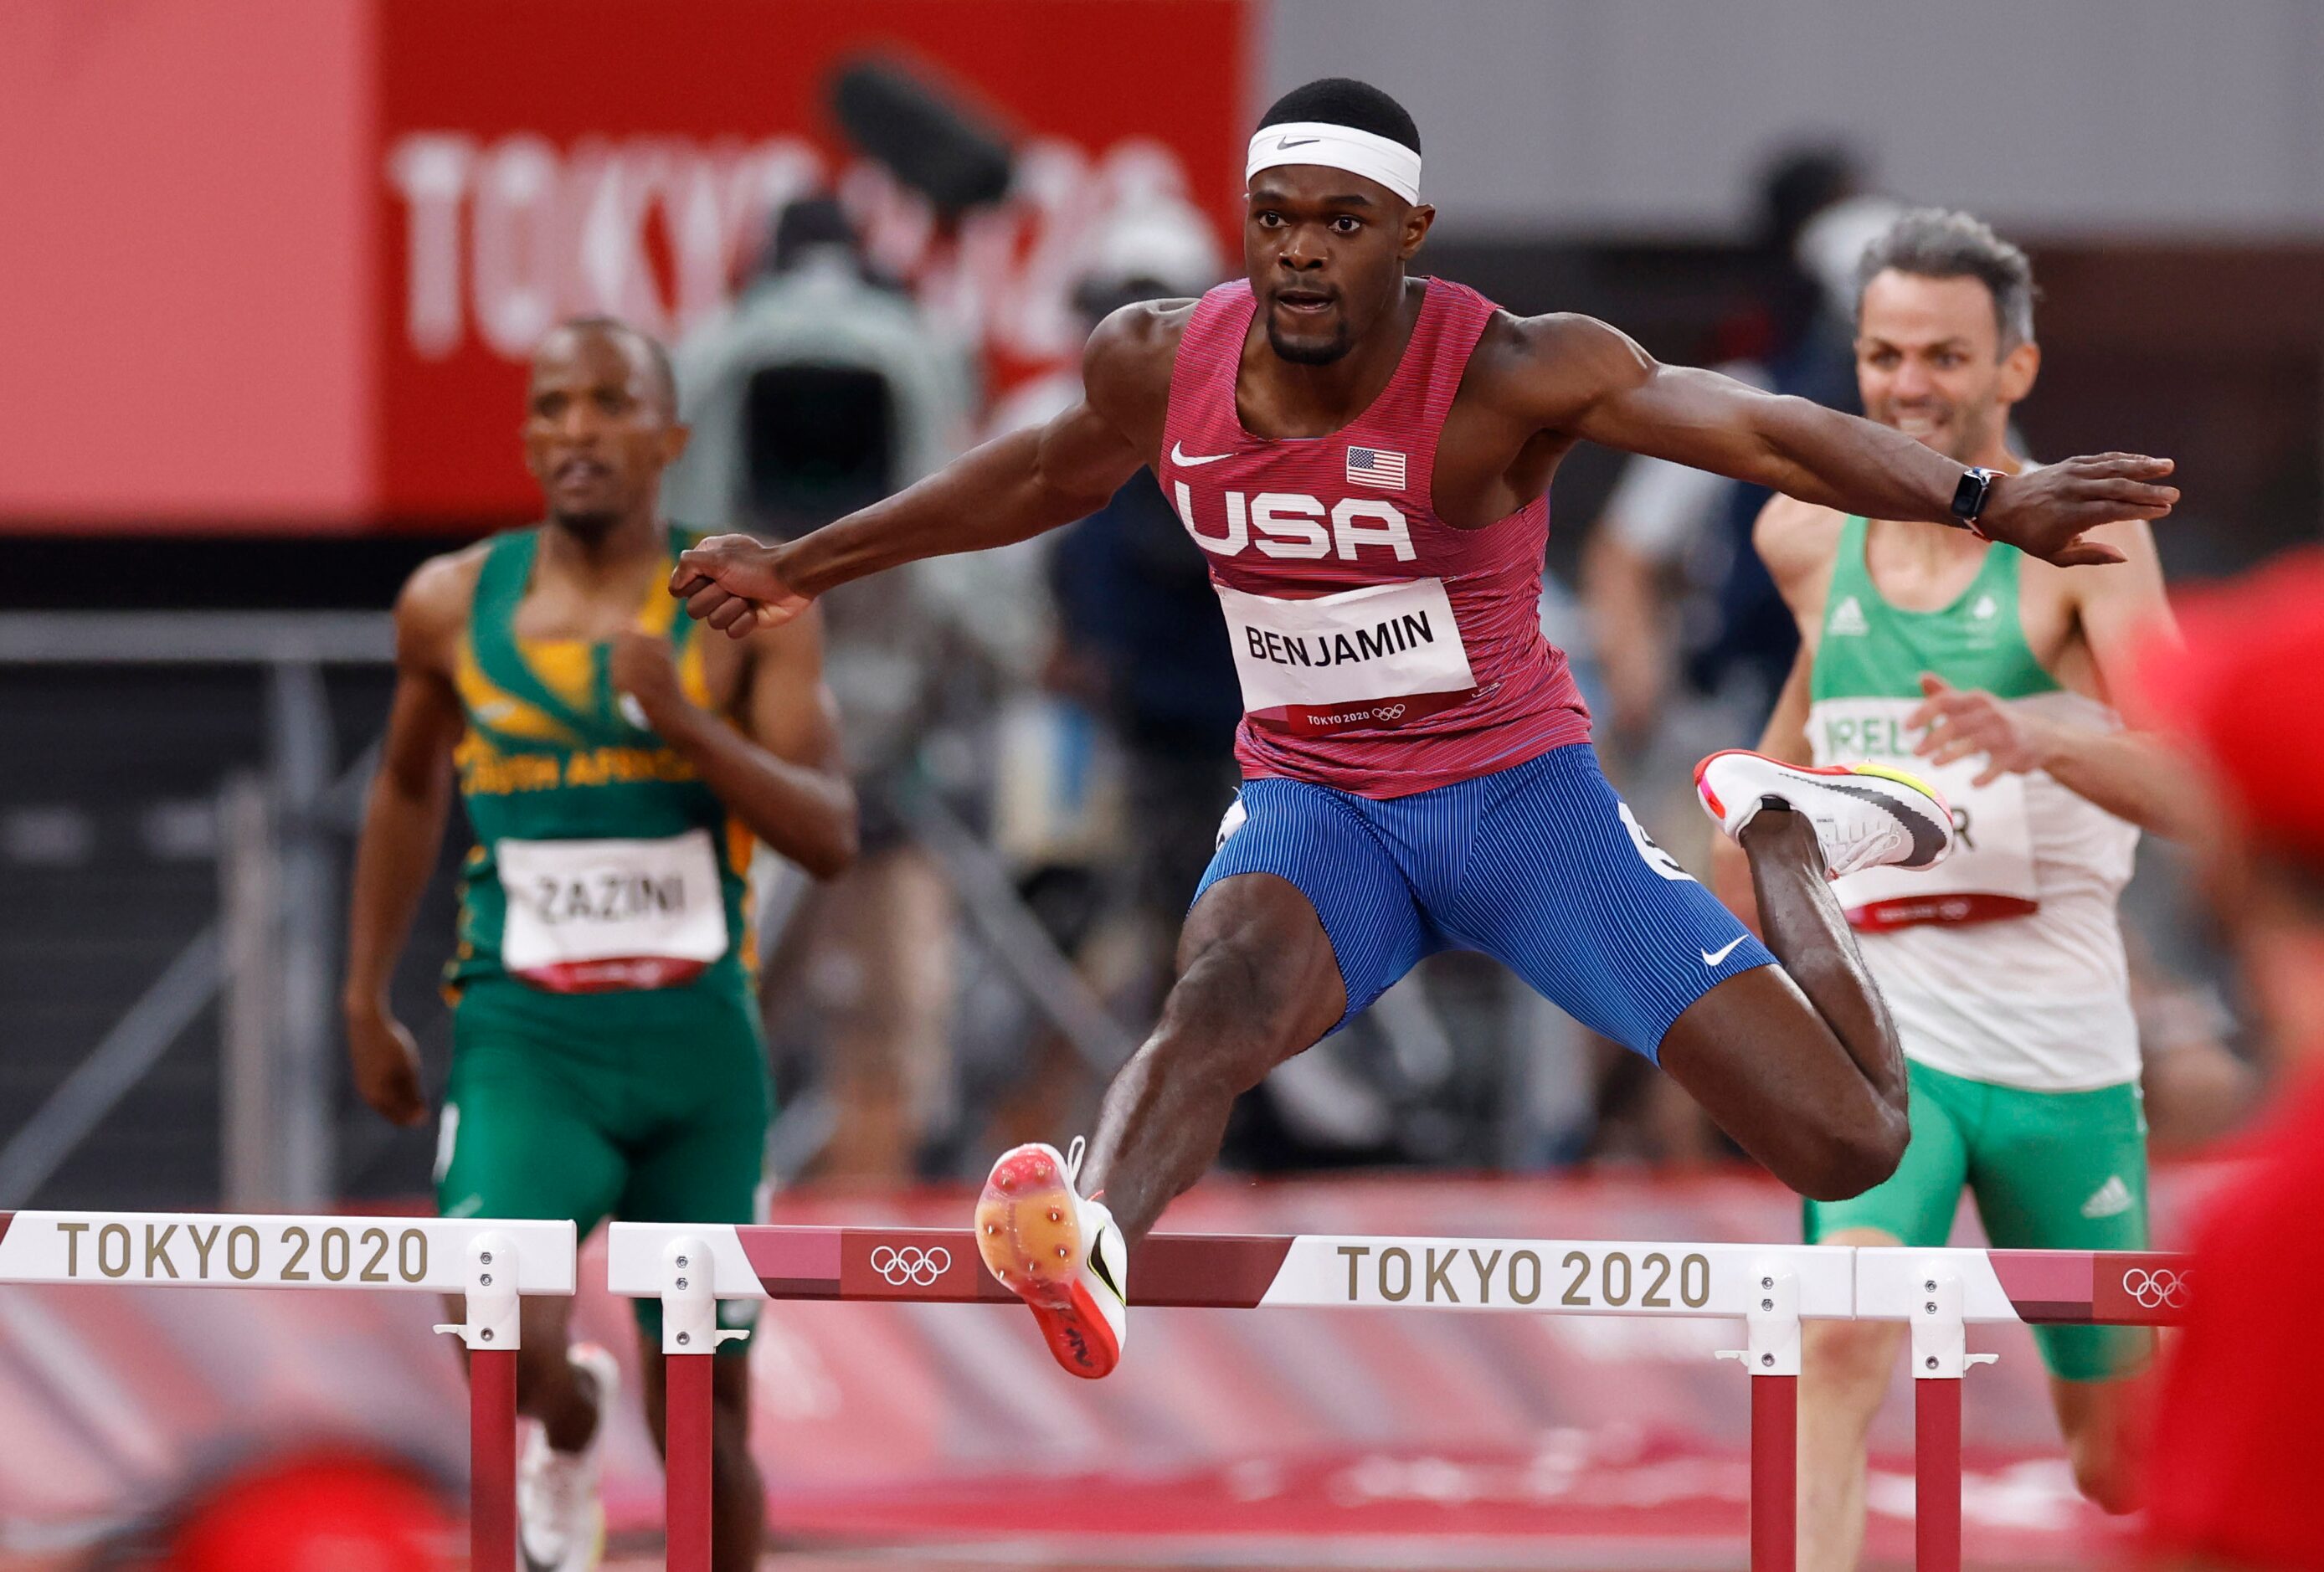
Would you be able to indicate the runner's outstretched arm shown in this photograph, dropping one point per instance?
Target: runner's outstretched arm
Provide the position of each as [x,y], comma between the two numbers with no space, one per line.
[2135,776]
[1586,379]
[774,761]
[1010,489]
[402,828]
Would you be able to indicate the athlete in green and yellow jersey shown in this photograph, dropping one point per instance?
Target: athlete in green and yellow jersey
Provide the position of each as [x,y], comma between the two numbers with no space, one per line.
[617,768]
[1991,673]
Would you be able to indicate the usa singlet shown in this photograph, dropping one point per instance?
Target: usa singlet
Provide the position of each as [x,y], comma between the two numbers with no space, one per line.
[1381,651]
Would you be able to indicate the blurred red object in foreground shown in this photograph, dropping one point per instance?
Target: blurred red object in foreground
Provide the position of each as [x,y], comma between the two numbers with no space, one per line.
[2245,684]
[310,1512]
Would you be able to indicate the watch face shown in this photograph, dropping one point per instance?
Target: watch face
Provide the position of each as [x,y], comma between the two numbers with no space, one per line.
[1969,496]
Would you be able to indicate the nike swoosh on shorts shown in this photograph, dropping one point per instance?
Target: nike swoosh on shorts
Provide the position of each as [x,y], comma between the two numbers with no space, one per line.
[1185,460]
[1713,957]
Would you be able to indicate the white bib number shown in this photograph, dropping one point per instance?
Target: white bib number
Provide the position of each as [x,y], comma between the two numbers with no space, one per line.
[592,916]
[1990,873]
[1368,657]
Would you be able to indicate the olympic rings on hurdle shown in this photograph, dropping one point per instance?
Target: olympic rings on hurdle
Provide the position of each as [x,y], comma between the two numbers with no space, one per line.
[911,1264]
[2154,1289]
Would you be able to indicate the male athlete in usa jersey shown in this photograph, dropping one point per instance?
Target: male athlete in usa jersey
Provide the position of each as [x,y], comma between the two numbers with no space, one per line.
[1365,457]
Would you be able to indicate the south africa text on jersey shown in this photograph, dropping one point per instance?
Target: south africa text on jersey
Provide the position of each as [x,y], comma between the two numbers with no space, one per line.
[484,772]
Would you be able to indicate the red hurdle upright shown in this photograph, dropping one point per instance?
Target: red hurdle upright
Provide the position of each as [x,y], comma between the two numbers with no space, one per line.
[1939,1360]
[1940,1293]
[1773,1357]
[690,1337]
[493,1334]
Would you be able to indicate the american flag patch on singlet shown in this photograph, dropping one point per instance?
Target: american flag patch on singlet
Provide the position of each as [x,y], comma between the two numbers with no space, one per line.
[1375,466]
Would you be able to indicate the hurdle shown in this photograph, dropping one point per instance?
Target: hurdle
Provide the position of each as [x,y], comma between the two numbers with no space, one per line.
[1943,1292]
[1771,1289]
[492,1263]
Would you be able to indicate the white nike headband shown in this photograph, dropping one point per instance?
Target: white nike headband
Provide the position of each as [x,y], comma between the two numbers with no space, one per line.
[1339,147]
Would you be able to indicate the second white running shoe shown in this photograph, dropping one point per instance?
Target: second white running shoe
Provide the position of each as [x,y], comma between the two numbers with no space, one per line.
[561,1521]
[1866,815]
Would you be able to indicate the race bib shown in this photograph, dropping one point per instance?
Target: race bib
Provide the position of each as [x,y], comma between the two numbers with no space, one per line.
[1990,873]
[594,916]
[1371,657]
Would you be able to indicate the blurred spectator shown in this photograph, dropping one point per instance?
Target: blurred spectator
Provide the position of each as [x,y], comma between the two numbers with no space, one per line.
[1636,562]
[2195,1087]
[1690,639]
[819,391]
[1140,636]
[2236,1470]
[1112,775]
[1676,540]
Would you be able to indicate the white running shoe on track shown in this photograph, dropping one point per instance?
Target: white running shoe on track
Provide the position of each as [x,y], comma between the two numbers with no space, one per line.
[1866,815]
[561,1521]
[1063,1255]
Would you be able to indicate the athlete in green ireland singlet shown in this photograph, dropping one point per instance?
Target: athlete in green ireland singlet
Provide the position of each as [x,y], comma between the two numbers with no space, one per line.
[617,766]
[1988,672]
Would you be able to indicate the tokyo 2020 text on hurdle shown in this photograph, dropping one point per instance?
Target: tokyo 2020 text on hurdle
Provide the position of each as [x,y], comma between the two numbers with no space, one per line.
[494,1264]
[1772,1289]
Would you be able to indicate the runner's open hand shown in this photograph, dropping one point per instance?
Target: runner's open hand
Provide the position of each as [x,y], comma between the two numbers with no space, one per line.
[2044,513]
[1965,722]
[732,583]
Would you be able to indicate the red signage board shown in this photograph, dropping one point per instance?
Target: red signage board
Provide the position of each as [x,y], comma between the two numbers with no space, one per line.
[541,158]
[420,186]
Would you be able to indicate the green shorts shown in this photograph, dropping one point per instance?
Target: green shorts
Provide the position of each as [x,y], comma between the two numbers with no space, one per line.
[651,1106]
[2049,1170]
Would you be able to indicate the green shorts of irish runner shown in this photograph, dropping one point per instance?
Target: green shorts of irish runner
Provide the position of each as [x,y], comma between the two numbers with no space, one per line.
[2049,1170]
[647,1105]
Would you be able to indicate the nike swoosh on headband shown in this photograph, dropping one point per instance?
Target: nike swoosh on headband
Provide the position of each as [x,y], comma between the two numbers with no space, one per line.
[1377,158]
[1185,460]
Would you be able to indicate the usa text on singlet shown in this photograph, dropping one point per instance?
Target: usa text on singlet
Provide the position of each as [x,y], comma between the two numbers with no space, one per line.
[1381,651]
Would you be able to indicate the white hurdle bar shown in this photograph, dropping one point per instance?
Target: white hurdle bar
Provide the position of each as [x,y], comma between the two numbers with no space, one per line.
[494,1264]
[1772,1289]
[1767,1288]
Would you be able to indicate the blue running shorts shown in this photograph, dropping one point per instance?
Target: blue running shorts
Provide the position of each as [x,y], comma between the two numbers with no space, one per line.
[1539,865]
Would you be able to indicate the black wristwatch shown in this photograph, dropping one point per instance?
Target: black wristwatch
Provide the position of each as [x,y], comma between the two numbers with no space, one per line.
[1969,498]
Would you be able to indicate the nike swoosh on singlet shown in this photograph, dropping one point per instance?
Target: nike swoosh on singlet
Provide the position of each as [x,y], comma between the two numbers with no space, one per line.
[1185,460]
[1713,957]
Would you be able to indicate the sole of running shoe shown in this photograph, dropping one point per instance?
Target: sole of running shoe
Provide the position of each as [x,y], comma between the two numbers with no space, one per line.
[1029,1231]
